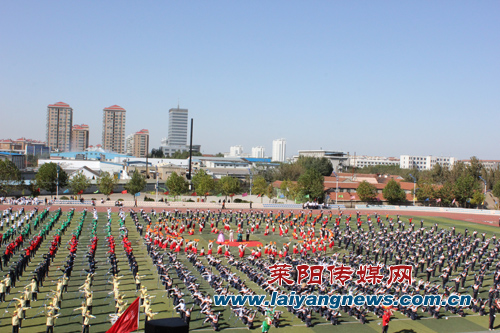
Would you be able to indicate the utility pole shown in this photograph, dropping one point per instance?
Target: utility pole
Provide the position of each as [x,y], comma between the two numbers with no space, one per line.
[190,156]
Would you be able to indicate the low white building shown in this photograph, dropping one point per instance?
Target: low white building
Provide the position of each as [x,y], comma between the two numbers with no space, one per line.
[364,161]
[425,162]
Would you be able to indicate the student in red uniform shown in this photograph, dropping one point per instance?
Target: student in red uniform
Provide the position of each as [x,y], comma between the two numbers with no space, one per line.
[385,321]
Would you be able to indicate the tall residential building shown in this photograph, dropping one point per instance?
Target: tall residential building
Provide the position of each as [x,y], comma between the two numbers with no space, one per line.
[59,124]
[141,143]
[113,129]
[258,152]
[177,127]
[279,150]
[80,137]
[235,151]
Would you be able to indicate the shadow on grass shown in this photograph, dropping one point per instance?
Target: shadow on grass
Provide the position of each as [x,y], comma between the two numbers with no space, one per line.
[406,331]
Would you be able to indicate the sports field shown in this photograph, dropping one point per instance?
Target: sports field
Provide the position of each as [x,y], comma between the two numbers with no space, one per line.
[70,321]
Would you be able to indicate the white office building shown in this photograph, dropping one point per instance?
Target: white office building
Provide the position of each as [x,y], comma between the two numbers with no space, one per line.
[279,150]
[177,127]
[425,162]
[235,151]
[177,133]
[258,152]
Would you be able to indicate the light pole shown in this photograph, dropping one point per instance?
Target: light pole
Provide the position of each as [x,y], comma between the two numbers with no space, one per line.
[484,181]
[414,183]
[251,179]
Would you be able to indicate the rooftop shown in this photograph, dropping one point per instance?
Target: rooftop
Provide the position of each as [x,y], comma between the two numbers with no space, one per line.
[59,105]
[115,108]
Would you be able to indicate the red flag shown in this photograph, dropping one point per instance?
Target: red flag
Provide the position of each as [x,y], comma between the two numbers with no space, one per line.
[128,321]
[81,192]
[193,194]
[166,193]
[124,192]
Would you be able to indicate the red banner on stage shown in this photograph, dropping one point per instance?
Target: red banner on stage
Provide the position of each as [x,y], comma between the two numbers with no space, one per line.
[128,321]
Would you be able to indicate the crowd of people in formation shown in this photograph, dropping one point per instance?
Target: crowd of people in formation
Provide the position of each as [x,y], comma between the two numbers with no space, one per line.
[22,201]
[313,205]
[25,233]
[443,261]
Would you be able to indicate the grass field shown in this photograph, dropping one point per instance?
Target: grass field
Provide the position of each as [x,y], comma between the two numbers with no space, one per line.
[70,321]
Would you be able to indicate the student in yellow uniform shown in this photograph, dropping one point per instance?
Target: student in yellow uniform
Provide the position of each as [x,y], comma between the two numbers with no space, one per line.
[15,322]
[86,322]
[51,318]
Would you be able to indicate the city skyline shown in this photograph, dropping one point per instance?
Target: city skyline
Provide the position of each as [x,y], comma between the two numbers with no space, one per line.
[384,78]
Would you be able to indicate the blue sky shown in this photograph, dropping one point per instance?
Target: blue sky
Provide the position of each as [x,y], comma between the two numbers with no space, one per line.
[371,77]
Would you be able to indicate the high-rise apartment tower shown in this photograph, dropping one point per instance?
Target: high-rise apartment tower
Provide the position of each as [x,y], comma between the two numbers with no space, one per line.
[59,124]
[113,129]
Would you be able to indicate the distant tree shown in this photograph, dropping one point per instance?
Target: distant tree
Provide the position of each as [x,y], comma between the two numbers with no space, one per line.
[496,189]
[136,184]
[10,176]
[366,191]
[285,188]
[291,171]
[106,183]
[311,184]
[203,183]
[475,167]
[46,177]
[478,198]
[157,153]
[183,155]
[219,155]
[393,192]
[437,174]
[228,185]
[270,192]
[464,188]
[177,184]
[425,191]
[322,165]
[79,183]
[293,190]
[459,169]
[259,186]
[269,173]
[445,193]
